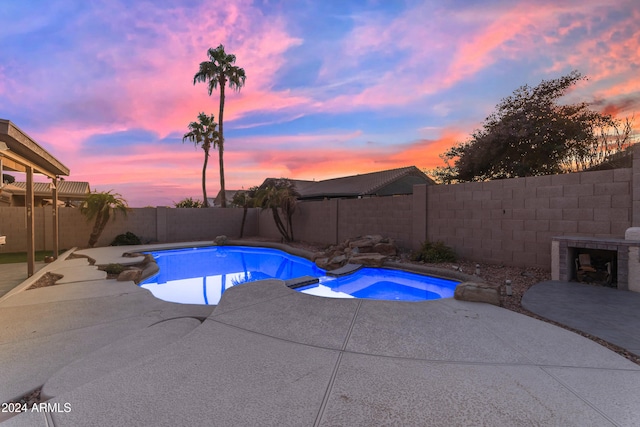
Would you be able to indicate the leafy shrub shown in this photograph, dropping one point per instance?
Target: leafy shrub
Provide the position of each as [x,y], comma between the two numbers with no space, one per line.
[434,252]
[114,269]
[126,239]
[189,203]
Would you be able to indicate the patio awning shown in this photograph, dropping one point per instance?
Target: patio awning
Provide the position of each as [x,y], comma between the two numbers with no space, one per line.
[20,153]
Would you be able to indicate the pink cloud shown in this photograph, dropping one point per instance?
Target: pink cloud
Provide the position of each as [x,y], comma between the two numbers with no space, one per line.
[159,82]
[311,160]
[151,81]
[460,44]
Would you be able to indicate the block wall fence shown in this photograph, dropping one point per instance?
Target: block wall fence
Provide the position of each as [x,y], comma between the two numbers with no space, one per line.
[151,224]
[510,221]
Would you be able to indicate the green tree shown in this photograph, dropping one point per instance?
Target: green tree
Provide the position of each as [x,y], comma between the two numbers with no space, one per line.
[189,202]
[203,132]
[279,195]
[244,199]
[219,71]
[102,206]
[529,134]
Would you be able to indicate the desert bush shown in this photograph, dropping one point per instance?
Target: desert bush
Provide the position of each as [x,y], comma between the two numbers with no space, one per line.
[189,203]
[113,269]
[125,239]
[433,252]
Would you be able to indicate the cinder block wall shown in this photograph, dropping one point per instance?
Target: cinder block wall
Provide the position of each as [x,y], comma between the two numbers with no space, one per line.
[151,224]
[13,226]
[206,224]
[313,221]
[512,221]
[333,221]
[387,216]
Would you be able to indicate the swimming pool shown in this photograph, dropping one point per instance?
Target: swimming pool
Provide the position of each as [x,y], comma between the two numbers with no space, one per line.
[201,275]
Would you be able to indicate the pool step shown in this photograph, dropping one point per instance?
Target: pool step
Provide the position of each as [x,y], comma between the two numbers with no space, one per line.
[344,270]
[299,282]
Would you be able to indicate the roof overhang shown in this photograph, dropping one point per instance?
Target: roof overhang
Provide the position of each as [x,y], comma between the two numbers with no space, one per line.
[21,152]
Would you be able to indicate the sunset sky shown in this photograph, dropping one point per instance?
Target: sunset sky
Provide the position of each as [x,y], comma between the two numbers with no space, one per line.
[333,88]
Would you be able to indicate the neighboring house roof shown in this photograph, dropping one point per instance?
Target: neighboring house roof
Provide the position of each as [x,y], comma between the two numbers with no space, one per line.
[66,189]
[228,197]
[382,183]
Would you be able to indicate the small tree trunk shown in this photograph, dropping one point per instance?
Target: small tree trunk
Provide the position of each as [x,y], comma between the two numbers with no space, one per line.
[289,216]
[244,217]
[280,225]
[223,197]
[223,193]
[98,227]
[204,177]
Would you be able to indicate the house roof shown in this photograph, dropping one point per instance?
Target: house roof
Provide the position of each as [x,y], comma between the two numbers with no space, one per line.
[228,196]
[368,184]
[66,189]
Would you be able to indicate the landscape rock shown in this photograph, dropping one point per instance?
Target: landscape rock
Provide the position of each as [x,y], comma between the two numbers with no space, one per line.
[478,292]
[365,242]
[132,275]
[339,259]
[388,249]
[370,259]
[317,256]
[322,262]
[220,240]
[370,250]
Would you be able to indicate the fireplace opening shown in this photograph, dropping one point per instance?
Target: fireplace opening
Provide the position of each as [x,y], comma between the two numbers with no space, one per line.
[596,266]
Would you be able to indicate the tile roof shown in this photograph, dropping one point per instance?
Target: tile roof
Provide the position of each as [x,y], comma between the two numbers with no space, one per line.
[367,184]
[65,188]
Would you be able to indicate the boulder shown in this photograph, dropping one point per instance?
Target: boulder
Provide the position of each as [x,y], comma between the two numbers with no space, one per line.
[317,256]
[371,250]
[339,260]
[365,243]
[220,240]
[322,262]
[388,249]
[132,274]
[148,258]
[478,292]
[370,259]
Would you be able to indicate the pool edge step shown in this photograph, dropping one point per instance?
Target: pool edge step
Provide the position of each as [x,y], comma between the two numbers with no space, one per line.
[299,282]
[344,270]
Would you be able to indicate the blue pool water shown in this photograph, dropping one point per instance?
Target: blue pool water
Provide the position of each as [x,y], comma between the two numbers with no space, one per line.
[201,275]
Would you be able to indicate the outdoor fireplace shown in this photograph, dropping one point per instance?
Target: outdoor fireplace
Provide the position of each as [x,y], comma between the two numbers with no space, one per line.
[614,262]
[597,266]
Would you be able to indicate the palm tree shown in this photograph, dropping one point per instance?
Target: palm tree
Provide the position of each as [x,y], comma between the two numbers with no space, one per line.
[102,206]
[218,71]
[246,200]
[203,132]
[279,195]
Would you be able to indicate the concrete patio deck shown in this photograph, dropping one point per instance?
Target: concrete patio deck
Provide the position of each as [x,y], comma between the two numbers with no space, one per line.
[109,353]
